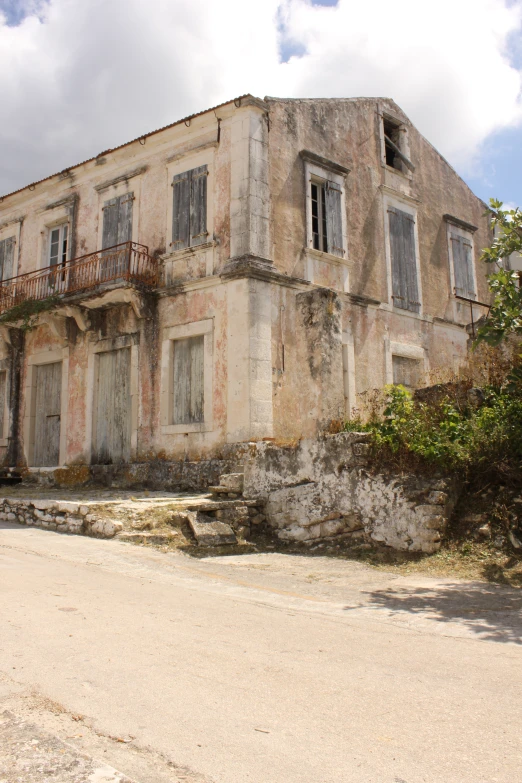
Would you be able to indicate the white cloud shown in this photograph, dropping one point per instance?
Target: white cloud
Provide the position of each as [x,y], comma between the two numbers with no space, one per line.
[79,76]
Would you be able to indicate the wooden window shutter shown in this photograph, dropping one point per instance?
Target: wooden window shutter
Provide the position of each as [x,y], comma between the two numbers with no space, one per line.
[110,223]
[334,230]
[125,218]
[405,291]
[181,210]
[198,206]
[7,247]
[462,252]
[3,390]
[188,407]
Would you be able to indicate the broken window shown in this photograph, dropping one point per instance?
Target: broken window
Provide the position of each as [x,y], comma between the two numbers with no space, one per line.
[327,227]
[462,255]
[58,240]
[6,258]
[405,289]
[188,387]
[394,143]
[406,371]
[189,213]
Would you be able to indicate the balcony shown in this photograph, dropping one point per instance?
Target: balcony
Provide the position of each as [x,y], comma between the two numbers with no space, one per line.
[127,264]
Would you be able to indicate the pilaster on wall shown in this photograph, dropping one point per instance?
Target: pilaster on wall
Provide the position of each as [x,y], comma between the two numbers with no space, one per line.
[249,398]
[249,189]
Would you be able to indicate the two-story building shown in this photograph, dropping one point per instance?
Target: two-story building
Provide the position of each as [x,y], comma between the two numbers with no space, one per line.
[241,274]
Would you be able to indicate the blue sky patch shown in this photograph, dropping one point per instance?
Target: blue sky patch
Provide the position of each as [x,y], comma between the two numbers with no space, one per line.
[499,167]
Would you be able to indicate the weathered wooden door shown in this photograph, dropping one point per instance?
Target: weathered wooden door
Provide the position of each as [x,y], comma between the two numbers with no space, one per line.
[48,383]
[112,424]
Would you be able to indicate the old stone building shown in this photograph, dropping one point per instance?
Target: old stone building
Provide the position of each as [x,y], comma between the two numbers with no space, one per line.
[241,274]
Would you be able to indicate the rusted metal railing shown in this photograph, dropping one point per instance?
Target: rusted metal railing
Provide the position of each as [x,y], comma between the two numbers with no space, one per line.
[128,262]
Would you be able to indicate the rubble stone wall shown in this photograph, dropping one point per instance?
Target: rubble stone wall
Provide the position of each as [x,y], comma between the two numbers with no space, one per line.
[324,488]
[61,515]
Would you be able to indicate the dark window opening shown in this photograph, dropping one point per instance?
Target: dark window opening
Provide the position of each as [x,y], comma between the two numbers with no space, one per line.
[319,221]
[392,132]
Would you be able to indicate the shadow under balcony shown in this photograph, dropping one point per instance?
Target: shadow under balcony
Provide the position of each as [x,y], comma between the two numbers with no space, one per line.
[127,265]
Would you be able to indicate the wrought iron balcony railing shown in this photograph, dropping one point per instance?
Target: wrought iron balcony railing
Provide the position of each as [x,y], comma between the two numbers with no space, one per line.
[127,263]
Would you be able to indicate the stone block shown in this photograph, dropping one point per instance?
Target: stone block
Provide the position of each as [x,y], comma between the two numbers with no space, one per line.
[61,528]
[11,517]
[333,527]
[66,505]
[83,510]
[209,532]
[233,482]
[44,505]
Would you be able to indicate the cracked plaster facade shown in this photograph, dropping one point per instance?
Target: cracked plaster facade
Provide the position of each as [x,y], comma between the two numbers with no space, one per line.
[292,334]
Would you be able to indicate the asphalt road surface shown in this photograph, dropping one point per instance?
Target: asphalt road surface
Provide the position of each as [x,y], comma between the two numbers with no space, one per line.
[256,669]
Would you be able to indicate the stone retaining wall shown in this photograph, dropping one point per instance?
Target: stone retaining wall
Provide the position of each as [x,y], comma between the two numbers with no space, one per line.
[61,515]
[323,488]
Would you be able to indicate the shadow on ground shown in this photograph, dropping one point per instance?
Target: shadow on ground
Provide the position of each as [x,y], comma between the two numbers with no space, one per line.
[491,612]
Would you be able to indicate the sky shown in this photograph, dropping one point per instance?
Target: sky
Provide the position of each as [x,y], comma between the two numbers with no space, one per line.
[81,76]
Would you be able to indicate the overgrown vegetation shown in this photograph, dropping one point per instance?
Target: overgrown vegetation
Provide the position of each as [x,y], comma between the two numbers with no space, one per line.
[471,423]
[25,315]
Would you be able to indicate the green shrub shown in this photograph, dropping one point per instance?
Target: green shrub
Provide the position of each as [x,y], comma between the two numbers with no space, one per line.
[447,434]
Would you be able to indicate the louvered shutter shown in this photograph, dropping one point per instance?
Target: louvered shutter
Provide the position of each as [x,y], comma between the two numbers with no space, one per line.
[188,381]
[405,290]
[467,252]
[334,221]
[7,247]
[198,205]
[125,218]
[110,223]
[181,210]
[462,253]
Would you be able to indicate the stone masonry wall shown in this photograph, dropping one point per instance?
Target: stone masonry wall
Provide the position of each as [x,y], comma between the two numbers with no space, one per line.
[323,488]
[61,515]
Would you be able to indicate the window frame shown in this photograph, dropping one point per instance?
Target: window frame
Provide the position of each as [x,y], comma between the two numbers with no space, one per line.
[403,206]
[203,328]
[317,174]
[404,146]
[406,351]
[58,227]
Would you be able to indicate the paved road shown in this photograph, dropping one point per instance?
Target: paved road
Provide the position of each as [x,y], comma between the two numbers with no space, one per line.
[262,668]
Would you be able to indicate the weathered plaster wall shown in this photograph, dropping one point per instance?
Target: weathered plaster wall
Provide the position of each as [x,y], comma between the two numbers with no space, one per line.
[323,488]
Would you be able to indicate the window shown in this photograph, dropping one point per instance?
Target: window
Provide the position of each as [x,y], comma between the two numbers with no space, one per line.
[327,226]
[405,289]
[117,220]
[6,258]
[186,378]
[58,239]
[406,371]
[188,382]
[461,249]
[189,209]
[395,152]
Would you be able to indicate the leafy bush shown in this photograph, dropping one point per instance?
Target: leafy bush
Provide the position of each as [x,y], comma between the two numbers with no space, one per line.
[483,441]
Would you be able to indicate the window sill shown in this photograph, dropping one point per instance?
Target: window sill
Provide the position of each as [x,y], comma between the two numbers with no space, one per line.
[405,175]
[185,429]
[185,252]
[329,258]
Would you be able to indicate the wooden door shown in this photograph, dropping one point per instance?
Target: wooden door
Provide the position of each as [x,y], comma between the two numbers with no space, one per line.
[112,424]
[48,384]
